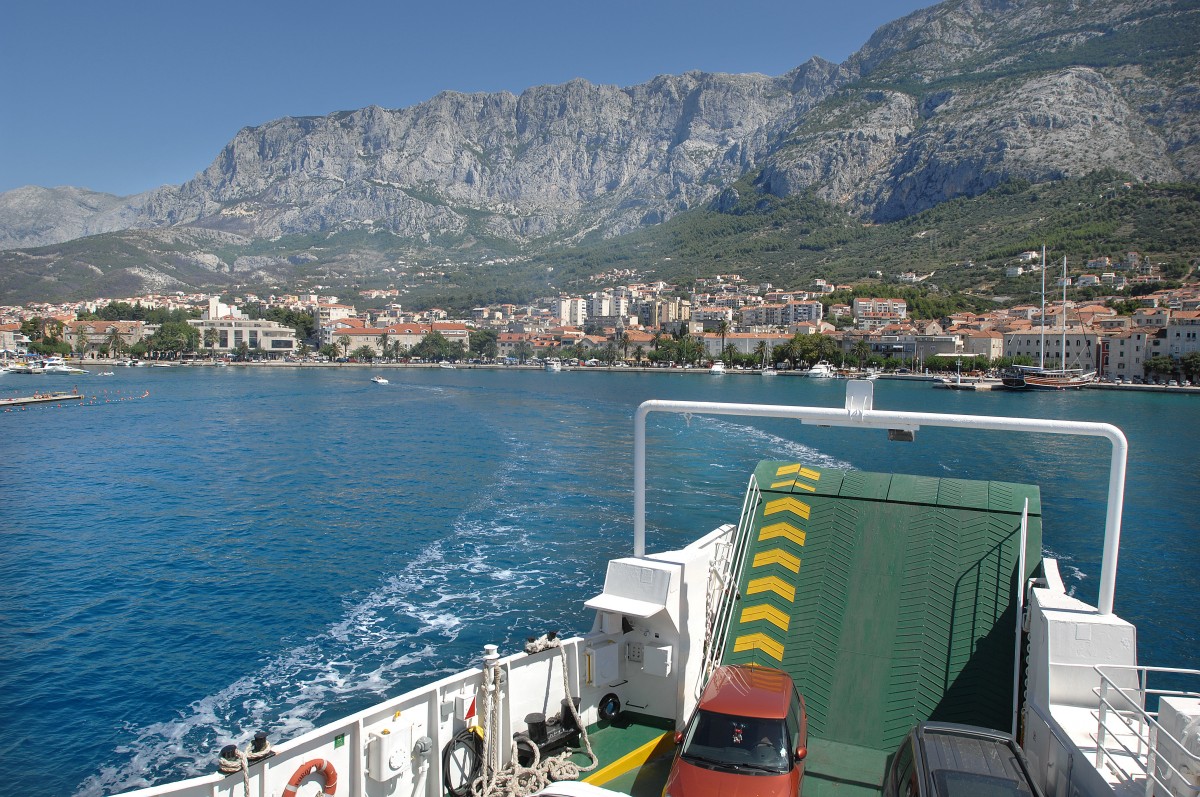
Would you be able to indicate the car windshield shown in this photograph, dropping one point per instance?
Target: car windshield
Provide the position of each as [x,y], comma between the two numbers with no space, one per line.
[725,741]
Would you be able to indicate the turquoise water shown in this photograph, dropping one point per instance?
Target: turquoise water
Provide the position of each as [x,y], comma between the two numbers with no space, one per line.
[275,548]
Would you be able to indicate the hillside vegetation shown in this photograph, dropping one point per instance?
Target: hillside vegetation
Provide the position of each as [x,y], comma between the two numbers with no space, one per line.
[964,242]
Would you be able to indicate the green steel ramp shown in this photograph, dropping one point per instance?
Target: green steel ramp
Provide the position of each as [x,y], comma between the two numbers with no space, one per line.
[890,599]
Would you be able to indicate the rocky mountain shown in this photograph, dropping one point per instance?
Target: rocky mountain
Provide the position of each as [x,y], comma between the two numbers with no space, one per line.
[556,160]
[957,98]
[949,101]
[33,216]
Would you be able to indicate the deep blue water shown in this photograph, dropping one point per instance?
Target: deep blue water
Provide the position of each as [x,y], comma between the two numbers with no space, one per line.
[275,548]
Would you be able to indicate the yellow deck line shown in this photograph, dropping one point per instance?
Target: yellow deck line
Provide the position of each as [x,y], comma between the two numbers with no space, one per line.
[766,611]
[630,761]
[772,584]
[786,530]
[809,473]
[786,504]
[759,641]
[788,469]
[777,556]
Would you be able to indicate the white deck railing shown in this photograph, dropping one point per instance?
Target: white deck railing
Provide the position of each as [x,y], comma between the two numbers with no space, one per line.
[1131,741]
[859,413]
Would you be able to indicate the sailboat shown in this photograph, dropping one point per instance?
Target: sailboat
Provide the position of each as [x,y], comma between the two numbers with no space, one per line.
[1039,377]
[767,369]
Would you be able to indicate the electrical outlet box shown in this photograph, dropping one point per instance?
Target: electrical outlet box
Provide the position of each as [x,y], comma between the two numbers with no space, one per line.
[389,752]
[603,663]
[657,660]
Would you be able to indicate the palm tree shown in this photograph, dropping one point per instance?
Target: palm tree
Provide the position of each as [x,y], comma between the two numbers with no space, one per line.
[622,342]
[210,340]
[638,351]
[344,343]
[115,342]
[722,330]
[861,350]
[384,345]
[795,349]
[760,353]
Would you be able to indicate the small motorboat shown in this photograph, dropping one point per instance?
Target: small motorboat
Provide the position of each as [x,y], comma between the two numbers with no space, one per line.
[379,380]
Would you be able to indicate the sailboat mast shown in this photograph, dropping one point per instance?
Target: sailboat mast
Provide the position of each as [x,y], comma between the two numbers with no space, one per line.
[1042,347]
[1063,320]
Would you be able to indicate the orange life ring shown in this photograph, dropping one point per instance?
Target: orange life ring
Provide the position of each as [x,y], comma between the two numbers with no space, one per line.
[317,765]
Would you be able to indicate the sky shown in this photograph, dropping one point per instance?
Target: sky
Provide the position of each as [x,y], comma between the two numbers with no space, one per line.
[122,96]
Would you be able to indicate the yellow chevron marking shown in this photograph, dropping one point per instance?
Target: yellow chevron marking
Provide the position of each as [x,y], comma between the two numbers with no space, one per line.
[772,584]
[809,473]
[804,486]
[784,483]
[787,504]
[786,530]
[788,469]
[777,556]
[759,642]
[766,612]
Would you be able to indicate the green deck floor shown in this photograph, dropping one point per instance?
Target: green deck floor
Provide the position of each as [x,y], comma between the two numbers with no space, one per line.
[613,742]
[889,599]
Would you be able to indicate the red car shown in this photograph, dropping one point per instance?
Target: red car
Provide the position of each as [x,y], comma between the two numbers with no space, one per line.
[749,736]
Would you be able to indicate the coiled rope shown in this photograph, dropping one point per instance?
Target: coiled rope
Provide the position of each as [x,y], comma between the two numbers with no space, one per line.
[515,780]
[242,762]
[228,767]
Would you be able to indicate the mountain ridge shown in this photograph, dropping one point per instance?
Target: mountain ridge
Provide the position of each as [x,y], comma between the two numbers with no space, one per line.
[949,101]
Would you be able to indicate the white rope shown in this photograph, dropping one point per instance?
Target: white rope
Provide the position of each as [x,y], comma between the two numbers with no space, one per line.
[227,767]
[243,762]
[516,780]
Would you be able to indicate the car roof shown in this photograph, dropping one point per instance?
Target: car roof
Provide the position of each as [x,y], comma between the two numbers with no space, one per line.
[963,759]
[748,692]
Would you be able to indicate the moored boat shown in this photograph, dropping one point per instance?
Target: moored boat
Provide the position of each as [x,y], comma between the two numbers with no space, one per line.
[59,366]
[1039,377]
[1031,376]
[822,370]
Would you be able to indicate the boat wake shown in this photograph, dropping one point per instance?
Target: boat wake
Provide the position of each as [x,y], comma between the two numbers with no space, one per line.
[772,445]
[496,577]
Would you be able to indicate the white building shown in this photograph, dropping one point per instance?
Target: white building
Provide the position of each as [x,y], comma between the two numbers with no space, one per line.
[1081,349]
[573,311]
[232,331]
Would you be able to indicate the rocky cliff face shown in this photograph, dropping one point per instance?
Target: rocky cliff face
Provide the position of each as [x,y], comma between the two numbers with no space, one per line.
[554,160]
[33,216]
[955,99]
[949,101]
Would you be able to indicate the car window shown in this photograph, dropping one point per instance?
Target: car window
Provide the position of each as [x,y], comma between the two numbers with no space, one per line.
[904,779]
[725,741]
[793,723]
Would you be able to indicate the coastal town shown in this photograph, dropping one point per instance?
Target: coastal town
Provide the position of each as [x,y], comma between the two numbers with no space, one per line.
[1148,337]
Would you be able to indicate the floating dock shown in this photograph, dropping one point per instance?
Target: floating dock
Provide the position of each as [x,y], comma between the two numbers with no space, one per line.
[974,384]
[40,398]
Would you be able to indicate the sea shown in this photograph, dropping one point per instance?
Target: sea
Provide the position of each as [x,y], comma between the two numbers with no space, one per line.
[194,554]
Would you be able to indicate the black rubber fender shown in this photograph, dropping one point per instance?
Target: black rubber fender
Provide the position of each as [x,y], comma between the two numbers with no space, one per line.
[609,707]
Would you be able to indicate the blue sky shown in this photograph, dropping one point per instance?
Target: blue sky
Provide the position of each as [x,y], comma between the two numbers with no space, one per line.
[123,96]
